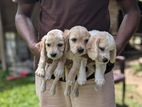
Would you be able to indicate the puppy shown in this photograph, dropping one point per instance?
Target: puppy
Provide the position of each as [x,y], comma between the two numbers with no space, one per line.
[101,48]
[77,39]
[52,47]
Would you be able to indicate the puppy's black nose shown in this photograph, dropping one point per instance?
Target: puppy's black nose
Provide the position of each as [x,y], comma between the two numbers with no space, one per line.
[53,54]
[80,50]
[105,60]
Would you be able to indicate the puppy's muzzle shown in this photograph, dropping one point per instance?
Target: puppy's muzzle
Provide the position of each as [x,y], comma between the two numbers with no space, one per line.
[53,55]
[105,60]
[80,50]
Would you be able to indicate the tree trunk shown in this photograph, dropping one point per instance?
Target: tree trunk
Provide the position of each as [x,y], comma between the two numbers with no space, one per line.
[2,50]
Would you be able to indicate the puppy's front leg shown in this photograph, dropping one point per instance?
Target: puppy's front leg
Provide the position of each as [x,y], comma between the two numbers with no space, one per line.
[67,91]
[43,85]
[58,74]
[53,86]
[81,79]
[50,70]
[40,71]
[74,71]
[70,80]
[60,68]
[75,91]
[71,76]
[99,74]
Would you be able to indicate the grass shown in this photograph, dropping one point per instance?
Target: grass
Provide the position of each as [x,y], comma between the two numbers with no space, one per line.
[132,98]
[137,68]
[17,93]
[21,93]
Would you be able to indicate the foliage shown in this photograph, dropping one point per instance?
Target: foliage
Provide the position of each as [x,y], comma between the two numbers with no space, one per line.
[17,93]
[21,93]
[3,74]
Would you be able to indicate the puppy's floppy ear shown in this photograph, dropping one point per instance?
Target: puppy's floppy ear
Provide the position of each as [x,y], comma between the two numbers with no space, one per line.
[89,43]
[113,55]
[96,47]
[66,33]
[43,52]
[113,48]
[93,43]
[66,39]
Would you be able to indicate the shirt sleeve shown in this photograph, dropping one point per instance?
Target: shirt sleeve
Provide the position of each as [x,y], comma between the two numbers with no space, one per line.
[28,1]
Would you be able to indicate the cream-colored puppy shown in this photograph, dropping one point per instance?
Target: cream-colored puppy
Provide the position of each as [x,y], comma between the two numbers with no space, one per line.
[101,48]
[77,38]
[52,47]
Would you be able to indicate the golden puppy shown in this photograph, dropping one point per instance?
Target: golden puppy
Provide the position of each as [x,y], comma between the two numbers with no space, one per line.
[77,39]
[52,47]
[101,48]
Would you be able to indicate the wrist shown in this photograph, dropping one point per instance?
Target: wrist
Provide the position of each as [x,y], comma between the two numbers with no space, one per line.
[120,46]
[31,44]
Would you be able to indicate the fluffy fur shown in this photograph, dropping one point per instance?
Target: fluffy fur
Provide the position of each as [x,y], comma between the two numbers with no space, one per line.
[52,47]
[77,39]
[101,48]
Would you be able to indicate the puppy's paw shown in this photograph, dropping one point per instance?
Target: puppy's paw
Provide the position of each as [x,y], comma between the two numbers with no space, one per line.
[40,72]
[81,81]
[99,82]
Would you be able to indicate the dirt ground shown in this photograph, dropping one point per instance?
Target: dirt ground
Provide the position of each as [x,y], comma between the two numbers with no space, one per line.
[137,82]
[133,79]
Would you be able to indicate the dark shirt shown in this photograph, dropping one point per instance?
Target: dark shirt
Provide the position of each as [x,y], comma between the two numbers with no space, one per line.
[64,14]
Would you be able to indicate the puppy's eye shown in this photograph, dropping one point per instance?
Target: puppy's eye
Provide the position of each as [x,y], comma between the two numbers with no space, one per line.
[102,49]
[74,39]
[86,40]
[48,45]
[60,45]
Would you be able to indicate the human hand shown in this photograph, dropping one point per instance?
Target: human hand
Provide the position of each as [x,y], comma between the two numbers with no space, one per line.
[35,49]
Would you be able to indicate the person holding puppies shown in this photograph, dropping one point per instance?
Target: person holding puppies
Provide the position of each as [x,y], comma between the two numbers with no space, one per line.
[64,14]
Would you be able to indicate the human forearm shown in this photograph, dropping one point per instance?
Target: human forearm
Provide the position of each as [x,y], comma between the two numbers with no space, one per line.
[127,28]
[25,29]
[24,25]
